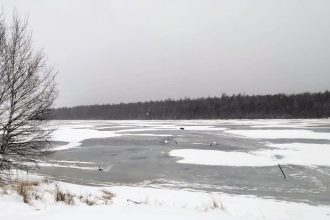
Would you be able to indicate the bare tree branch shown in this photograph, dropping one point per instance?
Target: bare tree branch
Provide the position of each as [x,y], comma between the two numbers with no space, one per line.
[27,92]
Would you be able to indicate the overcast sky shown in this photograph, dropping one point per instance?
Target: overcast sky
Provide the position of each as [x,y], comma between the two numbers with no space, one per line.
[111,51]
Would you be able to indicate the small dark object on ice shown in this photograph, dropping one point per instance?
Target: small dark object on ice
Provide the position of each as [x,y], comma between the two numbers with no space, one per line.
[282,171]
[182,128]
[100,168]
[176,142]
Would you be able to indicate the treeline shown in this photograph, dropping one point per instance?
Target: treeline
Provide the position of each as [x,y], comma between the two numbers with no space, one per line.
[241,106]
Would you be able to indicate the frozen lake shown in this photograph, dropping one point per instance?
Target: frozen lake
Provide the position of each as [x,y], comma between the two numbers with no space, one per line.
[178,154]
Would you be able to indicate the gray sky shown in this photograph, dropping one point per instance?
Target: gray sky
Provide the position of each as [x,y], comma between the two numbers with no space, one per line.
[110,51]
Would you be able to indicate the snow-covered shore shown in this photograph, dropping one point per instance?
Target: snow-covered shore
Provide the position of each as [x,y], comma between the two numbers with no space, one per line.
[149,203]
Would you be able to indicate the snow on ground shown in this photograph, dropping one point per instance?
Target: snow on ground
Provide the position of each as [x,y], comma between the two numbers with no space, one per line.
[276,122]
[276,134]
[283,125]
[151,203]
[294,153]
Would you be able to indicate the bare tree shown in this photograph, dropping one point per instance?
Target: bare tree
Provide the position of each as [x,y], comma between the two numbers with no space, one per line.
[27,91]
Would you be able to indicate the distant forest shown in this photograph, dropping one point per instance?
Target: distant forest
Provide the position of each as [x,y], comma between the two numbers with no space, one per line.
[241,106]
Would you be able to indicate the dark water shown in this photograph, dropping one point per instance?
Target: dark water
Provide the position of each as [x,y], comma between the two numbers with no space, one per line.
[144,161]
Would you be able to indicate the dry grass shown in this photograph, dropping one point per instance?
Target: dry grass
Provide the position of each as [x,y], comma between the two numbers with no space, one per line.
[65,197]
[27,190]
[89,201]
[37,190]
[217,205]
[107,196]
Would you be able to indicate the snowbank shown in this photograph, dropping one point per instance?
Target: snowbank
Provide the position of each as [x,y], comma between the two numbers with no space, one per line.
[150,203]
